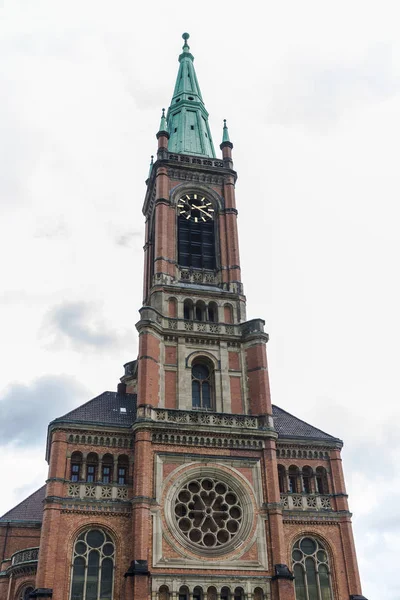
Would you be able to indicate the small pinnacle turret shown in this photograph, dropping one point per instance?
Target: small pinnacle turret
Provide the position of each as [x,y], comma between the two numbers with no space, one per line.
[163,123]
[225,135]
[151,166]
[187,117]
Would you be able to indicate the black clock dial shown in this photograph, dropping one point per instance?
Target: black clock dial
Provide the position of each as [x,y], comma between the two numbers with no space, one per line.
[195,207]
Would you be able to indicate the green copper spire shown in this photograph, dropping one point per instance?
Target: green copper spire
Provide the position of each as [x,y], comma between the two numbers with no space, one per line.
[187,116]
[225,133]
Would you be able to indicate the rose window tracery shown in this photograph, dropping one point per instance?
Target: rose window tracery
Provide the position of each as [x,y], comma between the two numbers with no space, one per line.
[208,512]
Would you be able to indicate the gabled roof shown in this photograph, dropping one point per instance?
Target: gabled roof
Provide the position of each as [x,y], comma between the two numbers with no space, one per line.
[104,409]
[30,509]
[289,426]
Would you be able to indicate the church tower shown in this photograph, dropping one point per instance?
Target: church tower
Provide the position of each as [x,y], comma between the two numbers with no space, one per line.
[187,483]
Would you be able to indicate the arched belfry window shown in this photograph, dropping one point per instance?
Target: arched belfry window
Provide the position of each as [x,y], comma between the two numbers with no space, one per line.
[93,566]
[202,386]
[311,570]
[196,233]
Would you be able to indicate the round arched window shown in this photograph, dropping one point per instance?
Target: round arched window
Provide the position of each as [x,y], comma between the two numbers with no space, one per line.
[311,570]
[93,566]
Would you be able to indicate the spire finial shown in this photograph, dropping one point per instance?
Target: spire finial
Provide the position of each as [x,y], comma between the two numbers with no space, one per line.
[163,123]
[185,46]
[225,133]
[151,166]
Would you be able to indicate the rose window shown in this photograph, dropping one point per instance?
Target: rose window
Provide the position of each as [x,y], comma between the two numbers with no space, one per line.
[208,512]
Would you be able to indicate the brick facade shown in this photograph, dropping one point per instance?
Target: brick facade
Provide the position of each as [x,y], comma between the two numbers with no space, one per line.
[170,461]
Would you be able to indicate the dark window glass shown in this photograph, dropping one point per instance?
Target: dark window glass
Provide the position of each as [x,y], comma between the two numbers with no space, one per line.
[78,579]
[201,386]
[299,583]
[122,475]
[91,473]
[75,472]
[196,244]
[106,474]
[106,579]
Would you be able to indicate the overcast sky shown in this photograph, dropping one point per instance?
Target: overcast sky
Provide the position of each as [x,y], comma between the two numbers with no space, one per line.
[311,92]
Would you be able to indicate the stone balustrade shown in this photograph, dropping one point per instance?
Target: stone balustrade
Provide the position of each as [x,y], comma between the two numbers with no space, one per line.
[306,502]
[24,556]
[97,491]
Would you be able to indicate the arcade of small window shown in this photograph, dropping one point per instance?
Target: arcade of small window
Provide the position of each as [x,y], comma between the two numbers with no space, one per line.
[306,480]
[99,469]
[202,389]
[196,244]
[93,566]
[311,570]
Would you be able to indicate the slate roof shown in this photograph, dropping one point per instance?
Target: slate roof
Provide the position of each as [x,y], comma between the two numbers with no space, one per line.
[289,426]
[104,409]
[30,509]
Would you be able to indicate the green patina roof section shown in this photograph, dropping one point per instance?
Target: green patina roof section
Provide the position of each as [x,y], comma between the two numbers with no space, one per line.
[225,133]
[187,116]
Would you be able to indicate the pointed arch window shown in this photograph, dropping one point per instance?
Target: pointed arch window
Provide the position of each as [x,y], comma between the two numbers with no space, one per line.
[202,386]
[311,570]
[93,566]
[196,244]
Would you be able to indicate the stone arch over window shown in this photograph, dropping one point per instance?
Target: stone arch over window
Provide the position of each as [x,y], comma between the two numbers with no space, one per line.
[183,593]
[294,479]
[212,312]
[258,594]
[212,593]
[321,478]
[238,593]
[172,307]
[225,593]
[200,312]
[282,479]
[198,593]
[306,479]
[123,469]
[163,593]
[93,562]
[25,592]
[311,569]
[76,466]
[92,464]
[202,384]
[188,309]
[228,313]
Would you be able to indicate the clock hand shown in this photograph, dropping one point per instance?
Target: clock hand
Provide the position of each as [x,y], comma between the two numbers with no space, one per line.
[204,211]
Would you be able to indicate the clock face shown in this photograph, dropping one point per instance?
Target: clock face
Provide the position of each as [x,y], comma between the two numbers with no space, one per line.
[195,207]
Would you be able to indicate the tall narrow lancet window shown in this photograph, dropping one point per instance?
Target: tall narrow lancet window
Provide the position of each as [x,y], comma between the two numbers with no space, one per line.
[202,386]
[93,566]
[196,240]
[311,570]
